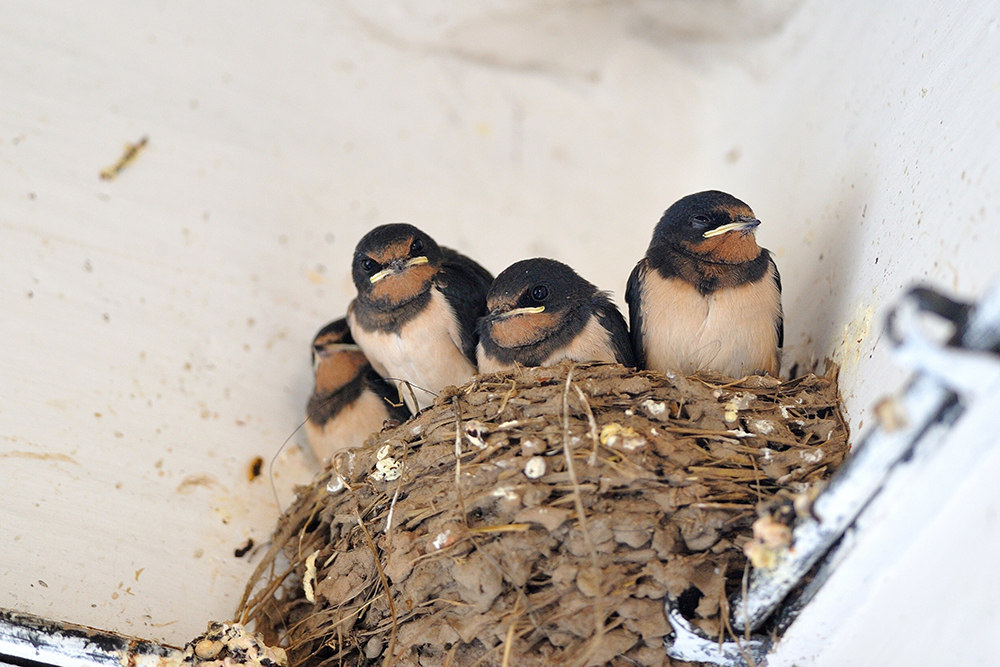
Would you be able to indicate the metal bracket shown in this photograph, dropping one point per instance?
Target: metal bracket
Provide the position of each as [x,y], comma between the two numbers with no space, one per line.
[945,373]
[691,645]
[28,638]
[947,376]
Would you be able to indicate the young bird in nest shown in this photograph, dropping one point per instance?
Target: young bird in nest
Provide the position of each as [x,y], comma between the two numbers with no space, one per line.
[706,296]
[416,310]
[541,312]
[350,401]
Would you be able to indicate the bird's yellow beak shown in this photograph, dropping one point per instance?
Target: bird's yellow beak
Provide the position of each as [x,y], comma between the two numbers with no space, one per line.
[343,347]
[745,225]
[522,311]
[381,274]
[416,261]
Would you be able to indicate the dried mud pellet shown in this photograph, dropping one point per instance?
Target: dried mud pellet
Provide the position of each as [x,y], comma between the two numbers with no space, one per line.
[373,648]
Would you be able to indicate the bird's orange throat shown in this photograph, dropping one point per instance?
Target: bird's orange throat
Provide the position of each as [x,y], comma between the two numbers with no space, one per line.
[732,248]
[522,330]
[399,288]
[338,370]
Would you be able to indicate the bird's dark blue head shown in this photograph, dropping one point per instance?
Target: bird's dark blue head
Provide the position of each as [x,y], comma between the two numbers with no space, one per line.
[394,263]
[712,224]
[336,333]
[533,299]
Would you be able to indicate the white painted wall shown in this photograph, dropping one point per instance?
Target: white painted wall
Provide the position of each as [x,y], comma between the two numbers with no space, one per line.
[178,301]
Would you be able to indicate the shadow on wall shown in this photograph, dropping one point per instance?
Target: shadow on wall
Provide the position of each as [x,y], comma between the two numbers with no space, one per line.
[569,38]
[815,301]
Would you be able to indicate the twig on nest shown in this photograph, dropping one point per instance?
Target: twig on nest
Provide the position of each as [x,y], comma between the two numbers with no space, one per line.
[727,627]
[458,461]
[582,515]
[594,435]
[509,640]
[389,659]
[506,397]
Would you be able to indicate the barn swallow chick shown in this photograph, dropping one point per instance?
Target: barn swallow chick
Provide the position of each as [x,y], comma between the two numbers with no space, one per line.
[350,401]
[541,312]
[706,296]
[416,310]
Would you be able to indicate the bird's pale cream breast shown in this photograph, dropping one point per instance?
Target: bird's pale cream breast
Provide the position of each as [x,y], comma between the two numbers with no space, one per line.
[591,344]
[426,351]
[732,331]
[350,427]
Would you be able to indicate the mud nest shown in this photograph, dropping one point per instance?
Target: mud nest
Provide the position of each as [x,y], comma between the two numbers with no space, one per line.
[541,518]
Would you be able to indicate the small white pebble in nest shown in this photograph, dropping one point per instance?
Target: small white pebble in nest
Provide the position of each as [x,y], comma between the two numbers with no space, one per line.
[373,648]
[335,484]
[534,468]
[760,556]
[444,539]
[207,649]
[761,426]
[653,408]
[506,492]
[309,580]
[770,539]
[225,645]
[474,432]
[772,533]
[388,469]
[532,446]
[617,436]
[811,455]
[739,401]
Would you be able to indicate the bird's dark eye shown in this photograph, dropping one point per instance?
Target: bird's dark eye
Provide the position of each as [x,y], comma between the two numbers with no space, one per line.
[539,293]
[416,246]
[368,265]
[699,220]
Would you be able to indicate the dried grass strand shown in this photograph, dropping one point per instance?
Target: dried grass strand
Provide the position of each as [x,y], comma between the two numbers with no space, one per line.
[389,659]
